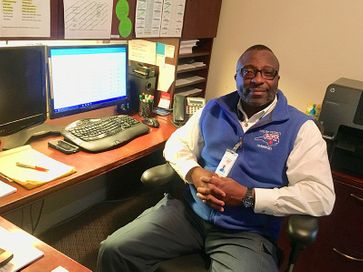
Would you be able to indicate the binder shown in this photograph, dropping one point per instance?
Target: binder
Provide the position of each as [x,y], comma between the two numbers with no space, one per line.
[41,168]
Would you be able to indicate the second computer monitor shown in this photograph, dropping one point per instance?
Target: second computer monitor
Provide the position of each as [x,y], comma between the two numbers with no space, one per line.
[83,78]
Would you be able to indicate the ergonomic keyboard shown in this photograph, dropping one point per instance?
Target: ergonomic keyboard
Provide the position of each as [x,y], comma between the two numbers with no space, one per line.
[99,134]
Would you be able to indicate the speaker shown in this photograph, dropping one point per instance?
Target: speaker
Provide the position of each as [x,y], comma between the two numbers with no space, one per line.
[142,79]
[142,84]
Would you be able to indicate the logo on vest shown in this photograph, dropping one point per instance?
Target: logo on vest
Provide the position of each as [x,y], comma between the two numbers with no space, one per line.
[268,139]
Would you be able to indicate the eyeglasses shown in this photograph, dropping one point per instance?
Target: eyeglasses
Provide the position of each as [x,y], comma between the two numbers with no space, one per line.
[268,73]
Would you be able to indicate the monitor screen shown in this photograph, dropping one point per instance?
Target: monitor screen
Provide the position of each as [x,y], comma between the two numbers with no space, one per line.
[22,88]
[87,77]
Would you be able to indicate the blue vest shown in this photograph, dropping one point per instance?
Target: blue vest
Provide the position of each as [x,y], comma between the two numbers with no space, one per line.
[261,159]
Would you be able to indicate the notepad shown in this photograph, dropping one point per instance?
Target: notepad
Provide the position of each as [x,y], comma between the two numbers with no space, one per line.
[28,177]
[21,247]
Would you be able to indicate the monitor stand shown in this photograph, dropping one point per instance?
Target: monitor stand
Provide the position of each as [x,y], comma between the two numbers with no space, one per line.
[24,136]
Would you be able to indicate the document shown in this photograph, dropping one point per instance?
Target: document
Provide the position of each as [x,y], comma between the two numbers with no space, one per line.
[166,71]
[21,247]
[172,18]
[148,18]
[84,19]
[142,51]
[21,18]
[31,168]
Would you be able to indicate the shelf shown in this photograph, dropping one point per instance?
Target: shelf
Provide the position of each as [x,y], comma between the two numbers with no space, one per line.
[193,55]
[183,82]
[190,92]
[185,70]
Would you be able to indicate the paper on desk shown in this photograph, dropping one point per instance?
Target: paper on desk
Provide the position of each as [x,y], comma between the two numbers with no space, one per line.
[6,189]
[21,247]
[30,178]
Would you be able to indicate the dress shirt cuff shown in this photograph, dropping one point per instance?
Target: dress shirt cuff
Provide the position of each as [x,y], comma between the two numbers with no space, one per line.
[184,168]
[265,200]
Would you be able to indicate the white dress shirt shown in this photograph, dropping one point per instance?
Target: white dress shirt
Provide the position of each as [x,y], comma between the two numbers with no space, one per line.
[310,189]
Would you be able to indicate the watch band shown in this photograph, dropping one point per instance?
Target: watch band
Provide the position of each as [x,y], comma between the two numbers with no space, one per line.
[249,200]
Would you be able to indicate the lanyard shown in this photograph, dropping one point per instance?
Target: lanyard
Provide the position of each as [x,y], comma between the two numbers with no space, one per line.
[237,145]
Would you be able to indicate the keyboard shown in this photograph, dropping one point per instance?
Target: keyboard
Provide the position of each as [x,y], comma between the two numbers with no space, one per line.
[99,134]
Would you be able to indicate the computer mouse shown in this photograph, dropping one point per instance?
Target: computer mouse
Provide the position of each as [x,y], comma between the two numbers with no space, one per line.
[152,122]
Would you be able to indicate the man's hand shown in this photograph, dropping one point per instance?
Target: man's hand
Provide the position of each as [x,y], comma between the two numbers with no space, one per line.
[233,191]
[209,194]
[216,191]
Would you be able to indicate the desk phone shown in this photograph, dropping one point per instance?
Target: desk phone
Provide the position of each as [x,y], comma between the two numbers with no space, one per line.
[194,104]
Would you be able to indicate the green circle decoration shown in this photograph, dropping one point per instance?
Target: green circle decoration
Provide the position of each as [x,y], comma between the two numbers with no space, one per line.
[122,9]
[125,27]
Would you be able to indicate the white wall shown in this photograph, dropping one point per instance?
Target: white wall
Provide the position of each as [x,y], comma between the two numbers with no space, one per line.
[317,42]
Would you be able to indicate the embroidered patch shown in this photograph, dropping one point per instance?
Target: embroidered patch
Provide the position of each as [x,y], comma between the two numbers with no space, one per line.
[268,139]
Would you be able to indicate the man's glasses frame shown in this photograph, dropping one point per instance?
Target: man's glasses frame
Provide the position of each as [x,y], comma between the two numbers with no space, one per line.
[250,72]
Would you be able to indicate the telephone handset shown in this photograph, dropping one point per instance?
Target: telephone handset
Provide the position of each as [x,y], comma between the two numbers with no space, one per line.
[184,107]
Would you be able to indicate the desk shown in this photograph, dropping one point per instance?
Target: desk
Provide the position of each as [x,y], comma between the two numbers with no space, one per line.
[51,259]
[88,166]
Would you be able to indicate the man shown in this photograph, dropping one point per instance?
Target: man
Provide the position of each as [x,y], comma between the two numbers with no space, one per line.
[249,158]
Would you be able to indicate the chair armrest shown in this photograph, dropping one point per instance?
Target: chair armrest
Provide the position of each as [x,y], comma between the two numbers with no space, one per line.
[302,229]
[159,175]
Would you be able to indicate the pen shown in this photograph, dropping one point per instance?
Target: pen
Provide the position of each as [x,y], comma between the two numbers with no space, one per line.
[35,167]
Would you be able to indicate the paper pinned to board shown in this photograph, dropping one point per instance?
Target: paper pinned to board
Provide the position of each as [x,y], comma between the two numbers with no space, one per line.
[28,177]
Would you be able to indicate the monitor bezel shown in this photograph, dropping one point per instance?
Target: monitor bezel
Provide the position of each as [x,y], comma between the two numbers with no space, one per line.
[29,121]
[53,114]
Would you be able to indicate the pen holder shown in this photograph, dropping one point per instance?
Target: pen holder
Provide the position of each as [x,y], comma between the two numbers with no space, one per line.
[146,108]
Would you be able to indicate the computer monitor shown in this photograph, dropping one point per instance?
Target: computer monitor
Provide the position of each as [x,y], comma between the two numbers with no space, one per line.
[86,77]
[22,88]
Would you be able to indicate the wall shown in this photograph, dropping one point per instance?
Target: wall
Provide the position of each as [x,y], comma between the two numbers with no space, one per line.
[317,42]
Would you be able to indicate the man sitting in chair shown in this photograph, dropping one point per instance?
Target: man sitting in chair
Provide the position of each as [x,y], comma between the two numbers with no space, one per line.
[249,158]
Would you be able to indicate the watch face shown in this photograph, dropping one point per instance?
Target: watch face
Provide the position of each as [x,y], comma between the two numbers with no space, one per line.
[248,202]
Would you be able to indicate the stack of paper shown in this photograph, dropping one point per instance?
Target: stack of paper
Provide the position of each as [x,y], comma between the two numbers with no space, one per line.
[190,92]
[41,170]
[21,247]
[188,80]
[188,66]
[6,189]
[186,47]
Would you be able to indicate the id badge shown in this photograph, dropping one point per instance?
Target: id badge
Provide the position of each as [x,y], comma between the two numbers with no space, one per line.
[225,165]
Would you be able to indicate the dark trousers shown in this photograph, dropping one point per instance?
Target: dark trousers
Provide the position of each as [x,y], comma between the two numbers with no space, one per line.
[170,229]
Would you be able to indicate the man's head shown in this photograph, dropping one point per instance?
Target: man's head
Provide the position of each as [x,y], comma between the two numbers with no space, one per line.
[257,77]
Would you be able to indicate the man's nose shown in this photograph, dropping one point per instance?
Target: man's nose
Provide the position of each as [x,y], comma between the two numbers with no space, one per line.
[258,77]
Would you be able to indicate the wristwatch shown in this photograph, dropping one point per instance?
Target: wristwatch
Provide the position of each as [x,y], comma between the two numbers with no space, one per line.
[249,200]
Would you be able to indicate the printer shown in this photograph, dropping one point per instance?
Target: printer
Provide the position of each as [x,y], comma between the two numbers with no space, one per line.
[341,120]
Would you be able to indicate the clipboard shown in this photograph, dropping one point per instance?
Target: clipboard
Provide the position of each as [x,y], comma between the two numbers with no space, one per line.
[29,177]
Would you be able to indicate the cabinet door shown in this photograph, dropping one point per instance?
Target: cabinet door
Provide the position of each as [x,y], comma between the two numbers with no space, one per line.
[339,246]
[201,18]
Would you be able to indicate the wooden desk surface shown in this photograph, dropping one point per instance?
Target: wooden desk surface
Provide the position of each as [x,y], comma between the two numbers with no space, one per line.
[51,259]
[88,165]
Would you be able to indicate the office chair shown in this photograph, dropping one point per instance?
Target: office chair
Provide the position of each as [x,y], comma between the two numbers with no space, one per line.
[301,229]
